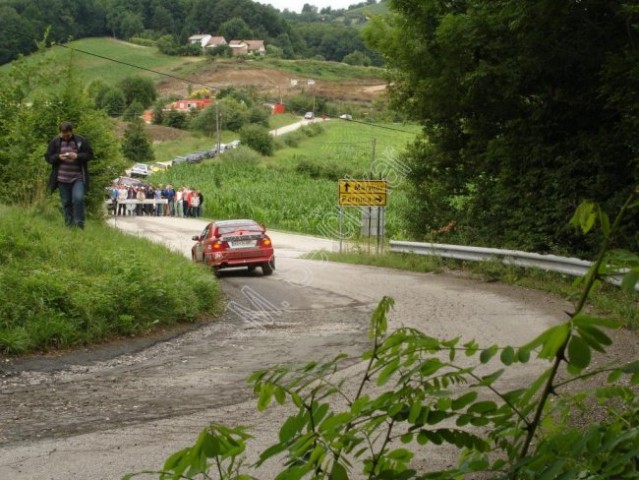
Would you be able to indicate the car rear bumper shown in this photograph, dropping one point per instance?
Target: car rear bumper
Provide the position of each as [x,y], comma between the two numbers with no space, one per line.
[238,259]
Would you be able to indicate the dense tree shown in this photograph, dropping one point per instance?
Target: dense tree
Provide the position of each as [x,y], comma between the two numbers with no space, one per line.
[22,22]
[206,121]
[234,113]
[258,138]
[357,58]
[175,119]
[130,25]
[527,107]
[332,42]
[259,115]
[133,111]
[136,145]
[243,95]
[111,100]
[138,88]
[236,28]
[16,35]
[162,21]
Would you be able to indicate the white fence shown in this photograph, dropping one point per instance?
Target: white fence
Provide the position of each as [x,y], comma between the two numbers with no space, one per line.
[134,201]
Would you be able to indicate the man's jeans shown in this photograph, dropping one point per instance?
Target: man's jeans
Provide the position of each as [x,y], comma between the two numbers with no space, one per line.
[72,199]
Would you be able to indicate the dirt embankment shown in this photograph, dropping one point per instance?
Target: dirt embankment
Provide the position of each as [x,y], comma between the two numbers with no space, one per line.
[277,84]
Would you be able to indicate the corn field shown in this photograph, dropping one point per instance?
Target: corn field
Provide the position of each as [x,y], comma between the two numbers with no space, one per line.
[277,193]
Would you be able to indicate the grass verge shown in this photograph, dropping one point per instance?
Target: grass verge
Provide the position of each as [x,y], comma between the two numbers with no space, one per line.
[60,287]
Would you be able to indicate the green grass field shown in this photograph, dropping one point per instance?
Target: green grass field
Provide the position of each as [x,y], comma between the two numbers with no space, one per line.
[296,189]
[94,59]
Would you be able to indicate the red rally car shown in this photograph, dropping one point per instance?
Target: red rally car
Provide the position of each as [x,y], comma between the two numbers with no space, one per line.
[234,243]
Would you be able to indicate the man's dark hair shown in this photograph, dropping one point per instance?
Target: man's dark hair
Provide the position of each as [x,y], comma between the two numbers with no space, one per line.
[66,127]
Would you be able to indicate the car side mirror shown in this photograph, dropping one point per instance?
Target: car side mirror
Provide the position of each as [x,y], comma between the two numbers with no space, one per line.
[263,227]
[197,238]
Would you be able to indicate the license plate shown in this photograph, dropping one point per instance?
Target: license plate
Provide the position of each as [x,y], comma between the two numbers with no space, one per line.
[243,244]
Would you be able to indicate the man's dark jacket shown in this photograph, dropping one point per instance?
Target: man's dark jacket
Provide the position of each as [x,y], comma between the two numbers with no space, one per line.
[85,153]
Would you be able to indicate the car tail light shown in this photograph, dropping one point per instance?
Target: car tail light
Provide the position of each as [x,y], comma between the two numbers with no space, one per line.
[266,242]
[216,245]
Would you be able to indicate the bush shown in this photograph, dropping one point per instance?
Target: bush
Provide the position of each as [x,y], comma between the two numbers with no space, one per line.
[258,138]
[243,155]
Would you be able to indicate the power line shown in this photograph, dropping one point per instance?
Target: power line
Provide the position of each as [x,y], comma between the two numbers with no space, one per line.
[175,77]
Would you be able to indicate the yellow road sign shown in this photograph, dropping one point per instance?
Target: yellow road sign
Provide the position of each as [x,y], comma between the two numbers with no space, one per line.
[362,193]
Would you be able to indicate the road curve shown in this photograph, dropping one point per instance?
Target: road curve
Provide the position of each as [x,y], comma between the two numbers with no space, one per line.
[102,413]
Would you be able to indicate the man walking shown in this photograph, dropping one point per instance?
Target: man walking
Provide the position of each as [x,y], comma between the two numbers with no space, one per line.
[68,155]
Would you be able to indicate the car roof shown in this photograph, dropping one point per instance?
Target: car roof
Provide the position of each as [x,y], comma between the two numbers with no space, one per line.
[230,223]
[128,181]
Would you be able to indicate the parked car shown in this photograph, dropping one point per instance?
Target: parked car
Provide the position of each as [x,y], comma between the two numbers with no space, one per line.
[309,115]
[128,182]
[160,166]
[346,116]
[196,157]
[234,243]
[139,170]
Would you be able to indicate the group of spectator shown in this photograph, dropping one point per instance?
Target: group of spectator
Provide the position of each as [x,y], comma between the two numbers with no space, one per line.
[183,202]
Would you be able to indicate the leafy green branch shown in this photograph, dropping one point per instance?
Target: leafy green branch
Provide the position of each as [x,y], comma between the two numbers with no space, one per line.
[415,391]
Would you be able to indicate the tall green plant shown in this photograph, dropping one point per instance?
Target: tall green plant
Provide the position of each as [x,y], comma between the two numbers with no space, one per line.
[416,390]
[27,127]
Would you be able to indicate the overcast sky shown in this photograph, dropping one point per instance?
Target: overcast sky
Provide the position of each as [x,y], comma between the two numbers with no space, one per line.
[296,5]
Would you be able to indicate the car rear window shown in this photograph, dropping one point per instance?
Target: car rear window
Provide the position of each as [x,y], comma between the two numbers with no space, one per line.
[251,227]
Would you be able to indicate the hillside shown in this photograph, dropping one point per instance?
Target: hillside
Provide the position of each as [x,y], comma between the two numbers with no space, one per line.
[278,83]
[110,60]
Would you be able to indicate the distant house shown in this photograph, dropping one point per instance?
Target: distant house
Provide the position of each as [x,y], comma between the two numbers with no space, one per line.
[277,108]
[216,42]
[207,41]
[202,39]
[244,47]
[190,104]
[256,46]
[147,116]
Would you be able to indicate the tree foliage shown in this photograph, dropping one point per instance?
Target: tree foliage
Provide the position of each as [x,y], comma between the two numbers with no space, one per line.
[111,100]
[26,128]
[136,145]
[138,89]
[171,22]
[258,138]
[528,108]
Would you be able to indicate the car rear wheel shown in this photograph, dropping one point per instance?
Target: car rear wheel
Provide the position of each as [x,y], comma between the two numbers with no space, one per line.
[216,272]
[268,267]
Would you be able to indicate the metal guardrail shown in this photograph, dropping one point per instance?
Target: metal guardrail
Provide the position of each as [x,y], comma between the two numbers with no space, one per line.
[553,263]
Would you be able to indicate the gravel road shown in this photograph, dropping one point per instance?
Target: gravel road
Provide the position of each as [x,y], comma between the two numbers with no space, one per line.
[103,412]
